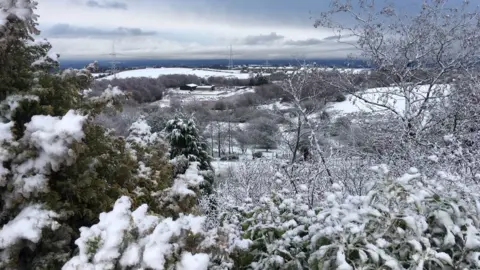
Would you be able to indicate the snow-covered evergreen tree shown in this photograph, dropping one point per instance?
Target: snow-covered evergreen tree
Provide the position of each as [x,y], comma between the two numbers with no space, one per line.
[58,169]
[185,140]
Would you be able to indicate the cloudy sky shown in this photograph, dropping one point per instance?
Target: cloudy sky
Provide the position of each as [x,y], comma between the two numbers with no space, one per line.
[182,29]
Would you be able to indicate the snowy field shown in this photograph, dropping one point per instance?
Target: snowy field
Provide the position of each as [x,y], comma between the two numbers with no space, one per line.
[96,75]
[385,96]
[156,72]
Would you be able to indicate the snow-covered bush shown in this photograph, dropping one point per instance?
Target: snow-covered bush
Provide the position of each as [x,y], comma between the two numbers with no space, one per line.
[246,179]
[134,239]
[177,239]
[406,222]
[276,229]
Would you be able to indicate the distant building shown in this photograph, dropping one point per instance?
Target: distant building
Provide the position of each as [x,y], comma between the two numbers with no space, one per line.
[206,87]
[189,87]
[192,86]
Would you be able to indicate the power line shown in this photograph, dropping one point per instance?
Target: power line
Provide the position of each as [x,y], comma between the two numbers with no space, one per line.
[230,62]
[230,54]
[114,62]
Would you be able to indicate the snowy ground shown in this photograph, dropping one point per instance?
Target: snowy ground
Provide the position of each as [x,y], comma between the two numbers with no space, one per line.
[276,106]
[156,72]
[221,167]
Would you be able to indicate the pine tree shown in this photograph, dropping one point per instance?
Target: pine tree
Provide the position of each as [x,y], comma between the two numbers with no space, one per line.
[185,139]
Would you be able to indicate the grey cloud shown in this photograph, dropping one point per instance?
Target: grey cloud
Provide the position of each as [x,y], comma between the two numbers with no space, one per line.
[336,37]
[67,30]
[305,42]
[262,39]
[106,4]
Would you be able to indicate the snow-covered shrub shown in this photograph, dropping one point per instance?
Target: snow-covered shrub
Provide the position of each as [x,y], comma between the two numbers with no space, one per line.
[154,172]
[134,239]
[246,179]
[177,239]
[406,222]
[181,197]
[277,230]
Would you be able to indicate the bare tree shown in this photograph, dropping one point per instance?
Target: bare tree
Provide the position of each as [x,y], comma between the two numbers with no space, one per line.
[264,132]
[416,54]
[296,136]
[301,89]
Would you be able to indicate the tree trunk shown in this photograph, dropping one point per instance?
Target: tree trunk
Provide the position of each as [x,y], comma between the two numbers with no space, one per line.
[297,141]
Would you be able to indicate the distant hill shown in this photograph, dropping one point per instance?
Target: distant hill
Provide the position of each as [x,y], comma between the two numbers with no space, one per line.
[215,63]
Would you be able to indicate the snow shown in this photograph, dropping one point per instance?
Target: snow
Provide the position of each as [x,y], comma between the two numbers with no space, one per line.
[111,92]
[13,101]
[113,224]
[27,225]
[472,239]
[22,9]
[52,134]
[341,261]
[276,106]
[140,133]
[131,256]
[108,95]
[51,137]
[95,75]
[158,244]
[5,131]
[191,178]
[156,72]
[108,234]
[193,262]
[50,56]
[389,96]
[148,240]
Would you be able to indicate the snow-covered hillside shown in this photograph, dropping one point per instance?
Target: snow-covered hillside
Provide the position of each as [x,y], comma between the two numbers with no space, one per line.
[391,97]
[156,72]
